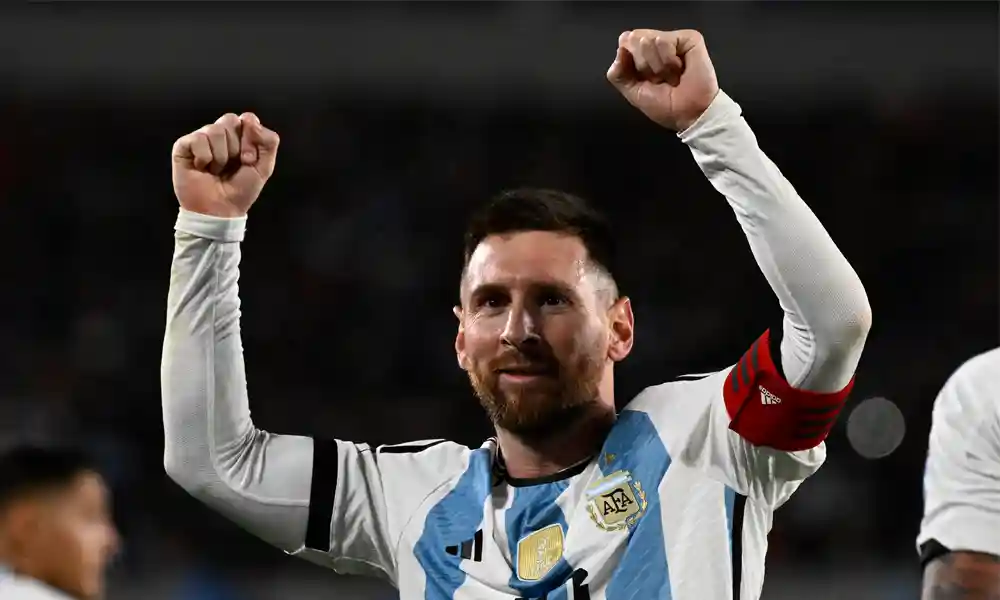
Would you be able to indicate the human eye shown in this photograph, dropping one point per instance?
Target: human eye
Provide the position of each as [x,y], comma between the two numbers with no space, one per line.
[554,299]
[491,301]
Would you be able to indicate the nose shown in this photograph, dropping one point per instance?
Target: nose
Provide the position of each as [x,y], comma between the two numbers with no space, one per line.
[521,328]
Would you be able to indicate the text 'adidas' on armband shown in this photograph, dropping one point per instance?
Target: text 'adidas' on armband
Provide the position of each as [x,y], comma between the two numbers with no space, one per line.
[766,411]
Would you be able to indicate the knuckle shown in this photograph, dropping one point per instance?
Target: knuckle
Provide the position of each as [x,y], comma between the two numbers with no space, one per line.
[215,131]
[250,118]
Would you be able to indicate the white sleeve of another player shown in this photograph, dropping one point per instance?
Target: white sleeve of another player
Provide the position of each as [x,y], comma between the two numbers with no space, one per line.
[962,477]
[330,502]
[15,587]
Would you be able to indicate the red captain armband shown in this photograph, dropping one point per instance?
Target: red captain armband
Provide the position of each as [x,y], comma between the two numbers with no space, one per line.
[766,411]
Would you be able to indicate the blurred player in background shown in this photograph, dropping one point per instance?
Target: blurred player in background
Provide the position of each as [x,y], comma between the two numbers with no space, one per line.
[671,498]
[56,532]
[959,540]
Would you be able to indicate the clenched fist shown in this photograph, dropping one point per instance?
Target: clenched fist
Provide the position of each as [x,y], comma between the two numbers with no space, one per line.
[665,74]
[220,169]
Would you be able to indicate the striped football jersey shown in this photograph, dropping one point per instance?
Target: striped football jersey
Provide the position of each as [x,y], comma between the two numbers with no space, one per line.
[676,504]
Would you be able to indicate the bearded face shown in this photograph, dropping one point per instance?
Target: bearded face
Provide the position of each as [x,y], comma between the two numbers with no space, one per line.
[534,336]
[530,391]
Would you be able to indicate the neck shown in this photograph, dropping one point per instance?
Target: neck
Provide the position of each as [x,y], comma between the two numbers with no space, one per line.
[6,556]
[15,561]
[578,441]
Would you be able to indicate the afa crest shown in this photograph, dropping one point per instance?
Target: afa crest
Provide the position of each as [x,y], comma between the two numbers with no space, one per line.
[616,502]
[538,552]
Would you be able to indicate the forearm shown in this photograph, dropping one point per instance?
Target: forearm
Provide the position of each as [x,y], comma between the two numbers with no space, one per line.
[962,576]
[212,449]
[827,315]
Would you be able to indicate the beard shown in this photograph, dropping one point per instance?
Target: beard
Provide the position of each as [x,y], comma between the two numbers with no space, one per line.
[537,409]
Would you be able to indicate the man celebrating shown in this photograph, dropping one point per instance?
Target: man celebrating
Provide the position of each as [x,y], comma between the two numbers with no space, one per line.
[671,498]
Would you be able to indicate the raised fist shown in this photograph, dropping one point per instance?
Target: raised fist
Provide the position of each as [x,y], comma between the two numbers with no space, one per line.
[220,169]
[665,74]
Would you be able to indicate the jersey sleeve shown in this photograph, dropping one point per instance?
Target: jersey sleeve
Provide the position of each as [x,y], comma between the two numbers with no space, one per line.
[745,426]
[339,504]
[962,476]
[362,499]
[760,425]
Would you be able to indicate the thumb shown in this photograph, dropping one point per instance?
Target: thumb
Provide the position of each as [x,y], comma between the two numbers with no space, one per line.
[622,73]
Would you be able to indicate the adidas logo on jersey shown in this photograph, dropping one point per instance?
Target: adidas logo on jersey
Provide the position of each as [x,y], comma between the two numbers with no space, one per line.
[470,549]
[767,398]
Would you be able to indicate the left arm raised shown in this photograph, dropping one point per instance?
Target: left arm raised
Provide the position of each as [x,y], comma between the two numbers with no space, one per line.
[826,311]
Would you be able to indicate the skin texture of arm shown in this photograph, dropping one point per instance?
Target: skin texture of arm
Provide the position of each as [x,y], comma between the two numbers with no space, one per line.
[962,576]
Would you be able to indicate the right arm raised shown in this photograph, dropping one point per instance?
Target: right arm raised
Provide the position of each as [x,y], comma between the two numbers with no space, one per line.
[325,501]
[212,449]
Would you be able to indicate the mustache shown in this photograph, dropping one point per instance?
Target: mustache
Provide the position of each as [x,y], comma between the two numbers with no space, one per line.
[519,361]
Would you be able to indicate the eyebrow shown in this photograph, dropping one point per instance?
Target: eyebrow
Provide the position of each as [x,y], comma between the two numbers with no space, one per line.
[488,289]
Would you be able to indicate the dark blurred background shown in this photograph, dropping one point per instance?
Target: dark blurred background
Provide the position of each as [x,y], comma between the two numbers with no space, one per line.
[395,119]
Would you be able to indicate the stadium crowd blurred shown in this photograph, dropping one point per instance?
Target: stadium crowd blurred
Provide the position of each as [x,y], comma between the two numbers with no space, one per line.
[351,266]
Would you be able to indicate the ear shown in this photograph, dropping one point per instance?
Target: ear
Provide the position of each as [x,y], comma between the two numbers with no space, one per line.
[459,338]
[621,329]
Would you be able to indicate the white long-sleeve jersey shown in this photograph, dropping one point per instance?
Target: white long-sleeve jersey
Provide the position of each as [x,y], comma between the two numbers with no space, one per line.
[962,476]
[18,587]
[677,504]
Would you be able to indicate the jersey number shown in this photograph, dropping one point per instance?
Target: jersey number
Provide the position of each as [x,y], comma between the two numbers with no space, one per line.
[581,591]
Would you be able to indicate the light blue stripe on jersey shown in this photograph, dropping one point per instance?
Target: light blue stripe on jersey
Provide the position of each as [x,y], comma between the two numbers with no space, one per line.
[452,521]
[534,508]
[642,573]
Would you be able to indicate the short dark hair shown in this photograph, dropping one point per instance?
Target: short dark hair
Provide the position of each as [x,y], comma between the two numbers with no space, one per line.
[533,209]
[27,469]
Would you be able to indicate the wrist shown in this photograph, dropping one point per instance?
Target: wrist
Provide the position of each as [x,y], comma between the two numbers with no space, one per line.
[721,109]
[211,227]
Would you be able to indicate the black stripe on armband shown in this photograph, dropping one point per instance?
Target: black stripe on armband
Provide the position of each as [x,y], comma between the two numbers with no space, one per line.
[321,494]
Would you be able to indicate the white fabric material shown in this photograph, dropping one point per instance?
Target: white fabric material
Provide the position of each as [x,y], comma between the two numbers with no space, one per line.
[962,476]
[15,587]
[384,501]
[827,316]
